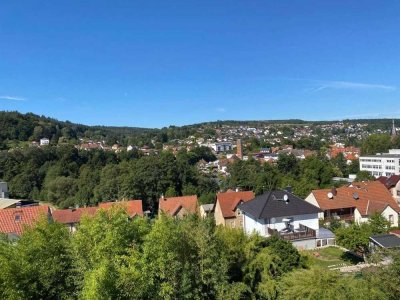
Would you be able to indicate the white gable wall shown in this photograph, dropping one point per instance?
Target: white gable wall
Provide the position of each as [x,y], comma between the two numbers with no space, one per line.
[390,211]
[311,199]
[358,218]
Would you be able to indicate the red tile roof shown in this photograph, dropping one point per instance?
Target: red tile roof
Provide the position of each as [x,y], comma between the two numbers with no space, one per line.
[13,220]
[372,197]
[229,200]
[133,207]
[71,216]
[173,205]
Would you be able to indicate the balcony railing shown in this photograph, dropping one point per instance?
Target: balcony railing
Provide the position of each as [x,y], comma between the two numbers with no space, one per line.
[344,217]
[301,233]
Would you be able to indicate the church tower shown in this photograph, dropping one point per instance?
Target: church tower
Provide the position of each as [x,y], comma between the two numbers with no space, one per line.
[239,149]
[393,133]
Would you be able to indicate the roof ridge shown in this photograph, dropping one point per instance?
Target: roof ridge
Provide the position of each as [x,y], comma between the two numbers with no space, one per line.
[265,204]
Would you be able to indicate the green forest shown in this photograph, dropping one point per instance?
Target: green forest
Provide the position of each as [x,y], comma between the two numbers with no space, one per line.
[17,128]
[65,176]
[114,257]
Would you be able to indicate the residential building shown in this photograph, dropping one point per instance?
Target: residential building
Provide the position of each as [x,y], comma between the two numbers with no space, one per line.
[133,207]
[381,164]
[44,142]
[3,189]
[283,214]
[226,212]
[349,153]
[13,220]
[71,217]
[222,147]
[9,203]
[356,202]
[206,210]
[392,183]
[178,206]
[92,146]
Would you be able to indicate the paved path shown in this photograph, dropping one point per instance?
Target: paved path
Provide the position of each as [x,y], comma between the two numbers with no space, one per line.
[360,266]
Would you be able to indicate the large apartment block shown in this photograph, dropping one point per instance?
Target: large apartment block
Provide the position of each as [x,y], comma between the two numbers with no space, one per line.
[382,164]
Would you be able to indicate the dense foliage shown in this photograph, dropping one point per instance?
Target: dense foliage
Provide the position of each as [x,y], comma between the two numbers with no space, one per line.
[356,236]
[302,175]
[65,176]
[114,257]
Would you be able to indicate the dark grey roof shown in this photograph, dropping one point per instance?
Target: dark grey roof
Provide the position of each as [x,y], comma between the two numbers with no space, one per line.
[323,233]
[271,204]
[208,207]
[386,240]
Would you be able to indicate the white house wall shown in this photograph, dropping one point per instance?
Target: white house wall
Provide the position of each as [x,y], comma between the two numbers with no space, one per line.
[251,225]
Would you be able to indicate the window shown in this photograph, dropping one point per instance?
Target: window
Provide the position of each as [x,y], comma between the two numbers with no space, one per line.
[398,193]
[391,219]
[17,218]
[233,224]
[241,223]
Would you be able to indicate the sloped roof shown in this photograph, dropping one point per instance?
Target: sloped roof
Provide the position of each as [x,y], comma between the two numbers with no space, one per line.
[133,207]
[229,200]
[386,240]
[208,207]
[13,220]
[172,205]
[71,216]
[389,182]
[5,202]
[373,197]
[271,204]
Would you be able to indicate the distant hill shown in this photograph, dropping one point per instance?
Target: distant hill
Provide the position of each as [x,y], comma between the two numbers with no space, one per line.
[17,128]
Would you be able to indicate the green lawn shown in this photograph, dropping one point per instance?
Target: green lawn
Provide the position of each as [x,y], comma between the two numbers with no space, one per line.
[332,257]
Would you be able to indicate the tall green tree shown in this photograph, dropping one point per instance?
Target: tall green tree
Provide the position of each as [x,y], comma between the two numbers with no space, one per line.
[38,266]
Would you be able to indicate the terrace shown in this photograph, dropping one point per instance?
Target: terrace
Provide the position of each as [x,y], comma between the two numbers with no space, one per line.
[291,234]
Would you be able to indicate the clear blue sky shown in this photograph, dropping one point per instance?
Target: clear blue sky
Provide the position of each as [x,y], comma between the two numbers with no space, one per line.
[157,63]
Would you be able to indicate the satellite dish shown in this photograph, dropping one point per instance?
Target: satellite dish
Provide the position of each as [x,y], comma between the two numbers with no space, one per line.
[286,197]
[273,220]
[330,195]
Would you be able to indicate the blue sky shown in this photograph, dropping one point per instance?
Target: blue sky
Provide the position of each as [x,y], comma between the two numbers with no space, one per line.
[159,63]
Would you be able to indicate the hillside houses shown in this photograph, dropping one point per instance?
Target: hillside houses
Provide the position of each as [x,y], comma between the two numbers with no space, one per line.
[356,202]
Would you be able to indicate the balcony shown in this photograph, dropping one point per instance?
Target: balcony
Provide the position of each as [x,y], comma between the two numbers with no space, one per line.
[343,217]
[301,233]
